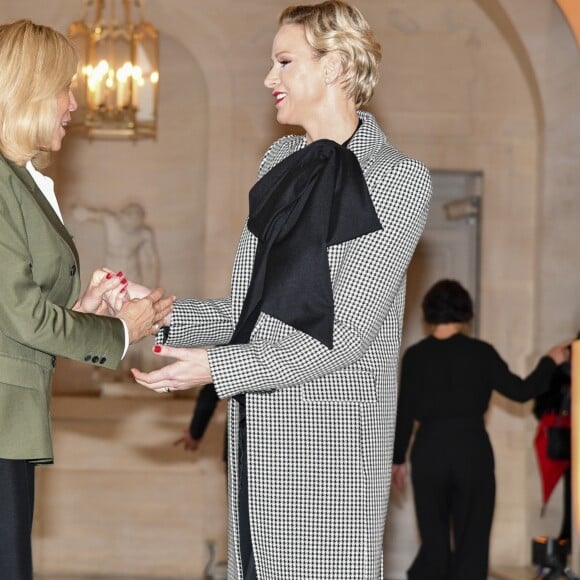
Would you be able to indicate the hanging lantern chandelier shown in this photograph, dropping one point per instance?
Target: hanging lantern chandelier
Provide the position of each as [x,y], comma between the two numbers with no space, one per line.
[118,79]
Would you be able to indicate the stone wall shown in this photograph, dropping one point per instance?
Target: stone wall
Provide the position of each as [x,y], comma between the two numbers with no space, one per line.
[478,85]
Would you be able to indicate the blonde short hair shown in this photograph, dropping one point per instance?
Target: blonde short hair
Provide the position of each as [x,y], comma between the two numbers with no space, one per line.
[36,63]
[335,26]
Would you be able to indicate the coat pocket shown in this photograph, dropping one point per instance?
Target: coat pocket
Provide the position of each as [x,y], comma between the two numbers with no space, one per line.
[24,410]
[347,385]
[24,373]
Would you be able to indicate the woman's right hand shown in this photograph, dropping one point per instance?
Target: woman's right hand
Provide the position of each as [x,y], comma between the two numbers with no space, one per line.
[188,442]
[104,289]
[133,290]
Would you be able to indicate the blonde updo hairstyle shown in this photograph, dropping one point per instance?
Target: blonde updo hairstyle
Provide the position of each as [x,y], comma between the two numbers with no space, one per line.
[36,63]
[335,26]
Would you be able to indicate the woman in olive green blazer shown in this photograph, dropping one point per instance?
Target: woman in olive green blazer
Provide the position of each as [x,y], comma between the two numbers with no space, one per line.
[41,316]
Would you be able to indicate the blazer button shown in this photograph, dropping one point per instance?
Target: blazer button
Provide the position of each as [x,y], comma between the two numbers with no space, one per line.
[95,359]
[103,360]
[73,270]
[53,361]
[88,358]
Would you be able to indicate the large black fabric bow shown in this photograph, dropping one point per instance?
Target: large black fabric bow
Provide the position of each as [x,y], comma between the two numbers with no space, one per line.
[315,198]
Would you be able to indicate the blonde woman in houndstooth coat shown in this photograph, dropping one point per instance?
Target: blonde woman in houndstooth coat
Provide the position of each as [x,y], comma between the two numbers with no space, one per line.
[308,340]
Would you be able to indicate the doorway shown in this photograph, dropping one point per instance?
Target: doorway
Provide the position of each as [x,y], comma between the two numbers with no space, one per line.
[448,248]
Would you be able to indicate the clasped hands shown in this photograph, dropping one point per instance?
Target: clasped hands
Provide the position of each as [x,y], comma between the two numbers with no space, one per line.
[110,293]
[145,311]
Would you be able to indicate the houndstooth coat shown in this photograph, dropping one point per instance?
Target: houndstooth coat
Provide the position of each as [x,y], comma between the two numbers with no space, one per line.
[320,422]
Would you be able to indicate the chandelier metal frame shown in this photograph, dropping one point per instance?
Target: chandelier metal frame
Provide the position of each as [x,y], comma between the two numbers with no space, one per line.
[118,79]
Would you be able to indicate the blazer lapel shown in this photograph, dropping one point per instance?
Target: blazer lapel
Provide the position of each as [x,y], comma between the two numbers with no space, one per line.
[44,205]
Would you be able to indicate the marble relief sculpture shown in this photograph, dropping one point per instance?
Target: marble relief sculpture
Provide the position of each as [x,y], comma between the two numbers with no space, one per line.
[129,241]
[129,248]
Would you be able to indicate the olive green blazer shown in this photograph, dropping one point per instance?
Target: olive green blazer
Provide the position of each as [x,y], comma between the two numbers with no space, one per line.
[39,283]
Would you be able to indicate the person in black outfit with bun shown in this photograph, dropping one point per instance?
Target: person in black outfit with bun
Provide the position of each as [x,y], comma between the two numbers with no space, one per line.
[446,384]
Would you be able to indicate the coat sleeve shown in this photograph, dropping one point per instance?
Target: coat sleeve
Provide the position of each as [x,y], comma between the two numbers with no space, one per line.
[515,388]
[369,274]
[28,317]
[200,322]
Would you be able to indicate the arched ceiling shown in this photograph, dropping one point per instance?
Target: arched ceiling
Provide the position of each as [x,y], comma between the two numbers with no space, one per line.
[498,15]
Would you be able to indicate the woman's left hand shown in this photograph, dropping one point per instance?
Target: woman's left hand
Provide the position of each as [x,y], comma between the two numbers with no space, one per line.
[399,477]
[191,369]
[104,290]
[560,353]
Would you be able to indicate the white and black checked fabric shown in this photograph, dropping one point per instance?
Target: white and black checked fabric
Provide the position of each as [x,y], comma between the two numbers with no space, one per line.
[320,422]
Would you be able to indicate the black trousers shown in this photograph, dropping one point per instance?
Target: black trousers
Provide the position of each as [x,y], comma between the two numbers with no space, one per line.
[454,488]
[16,513]
[566,529]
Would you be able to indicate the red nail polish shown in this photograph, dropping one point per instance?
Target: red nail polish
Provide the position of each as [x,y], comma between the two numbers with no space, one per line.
[123,290]
[119,274]
[124,281]
[109,276]
[156,348]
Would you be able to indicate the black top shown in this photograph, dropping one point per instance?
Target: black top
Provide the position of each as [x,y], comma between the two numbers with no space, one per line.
[453,378]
